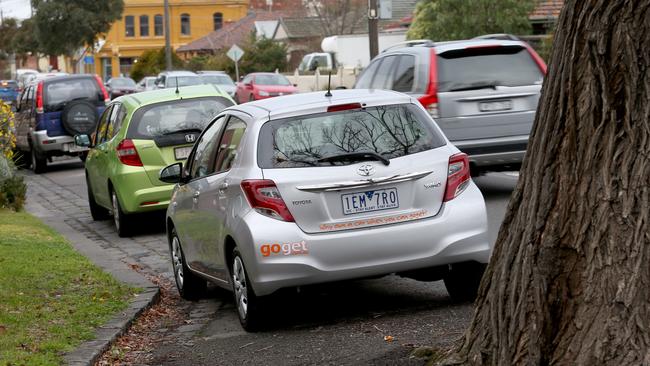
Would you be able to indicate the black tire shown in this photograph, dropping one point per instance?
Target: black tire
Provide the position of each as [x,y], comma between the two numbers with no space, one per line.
[251,318]
[79,117]
[123,225]
[38,163]
[97,212]
[190,286]
[463,280]
[83,155]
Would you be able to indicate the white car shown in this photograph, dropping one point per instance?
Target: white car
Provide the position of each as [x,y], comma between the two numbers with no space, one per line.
[310,188]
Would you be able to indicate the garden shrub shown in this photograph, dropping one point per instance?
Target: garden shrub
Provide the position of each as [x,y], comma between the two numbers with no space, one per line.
[12,185]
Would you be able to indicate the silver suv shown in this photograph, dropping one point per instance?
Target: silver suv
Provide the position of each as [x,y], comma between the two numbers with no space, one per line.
[483,93]
[307,189]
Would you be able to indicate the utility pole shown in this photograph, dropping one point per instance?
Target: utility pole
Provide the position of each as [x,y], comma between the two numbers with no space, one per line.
[373,24]
[168,46]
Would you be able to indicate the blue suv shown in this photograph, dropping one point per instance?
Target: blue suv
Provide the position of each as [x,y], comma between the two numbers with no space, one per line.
[51,111]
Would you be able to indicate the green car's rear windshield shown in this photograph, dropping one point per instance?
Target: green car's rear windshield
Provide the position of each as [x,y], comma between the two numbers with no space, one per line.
[175,116]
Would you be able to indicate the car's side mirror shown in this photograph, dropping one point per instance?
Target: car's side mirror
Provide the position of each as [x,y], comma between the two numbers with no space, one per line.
[172,173]
[82,140]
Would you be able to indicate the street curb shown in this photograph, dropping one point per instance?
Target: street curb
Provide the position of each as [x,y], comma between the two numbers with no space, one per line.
[89,352]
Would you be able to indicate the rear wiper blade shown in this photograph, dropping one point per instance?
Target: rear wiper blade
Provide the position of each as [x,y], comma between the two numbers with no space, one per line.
[475,86]
[365,155]
[185,130]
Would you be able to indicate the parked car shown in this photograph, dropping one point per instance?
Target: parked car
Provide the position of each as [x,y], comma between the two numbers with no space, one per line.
[262,85]
[147,83]
[23,76]
[483,93]
[136,137]
[308,189]
[120,86]
[8,91]
[220,79]
[170,79]
[54,109]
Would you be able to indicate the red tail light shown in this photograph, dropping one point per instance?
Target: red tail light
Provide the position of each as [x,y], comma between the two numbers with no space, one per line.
[39,98]
[103,89]
[128,154]
[538,59]
[458,176]
[430,99]
[264,197]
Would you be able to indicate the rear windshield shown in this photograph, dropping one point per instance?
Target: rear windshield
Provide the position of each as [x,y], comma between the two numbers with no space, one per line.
[217,79]
[499,66]
[183,81]
[122,82]
[271,80]
[390,131]
[60,91]
[183,115]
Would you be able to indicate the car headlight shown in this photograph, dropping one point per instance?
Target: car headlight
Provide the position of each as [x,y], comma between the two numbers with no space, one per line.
[263,93]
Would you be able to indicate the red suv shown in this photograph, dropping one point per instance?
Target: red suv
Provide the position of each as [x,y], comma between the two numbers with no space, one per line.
[262,85]
[483,93]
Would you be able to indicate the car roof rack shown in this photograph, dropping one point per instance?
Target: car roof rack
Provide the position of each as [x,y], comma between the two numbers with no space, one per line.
[411,43]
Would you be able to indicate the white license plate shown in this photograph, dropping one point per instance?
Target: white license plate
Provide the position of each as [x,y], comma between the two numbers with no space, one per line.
[368,201]
[502,105]
[74,148]
[181,153]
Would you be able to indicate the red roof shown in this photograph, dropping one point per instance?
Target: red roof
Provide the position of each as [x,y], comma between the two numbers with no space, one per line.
[547,9]
[230,34]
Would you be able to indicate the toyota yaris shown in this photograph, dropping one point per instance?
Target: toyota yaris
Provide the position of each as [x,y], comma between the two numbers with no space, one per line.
[312,188]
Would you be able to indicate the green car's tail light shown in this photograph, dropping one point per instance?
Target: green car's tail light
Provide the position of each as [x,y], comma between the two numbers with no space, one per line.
[264,197]
[128,154]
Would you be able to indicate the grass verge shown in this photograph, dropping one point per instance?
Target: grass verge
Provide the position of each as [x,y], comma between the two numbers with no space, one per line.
[51,297]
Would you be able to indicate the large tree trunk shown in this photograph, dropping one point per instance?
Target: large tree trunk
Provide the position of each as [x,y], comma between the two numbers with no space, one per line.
[569,279]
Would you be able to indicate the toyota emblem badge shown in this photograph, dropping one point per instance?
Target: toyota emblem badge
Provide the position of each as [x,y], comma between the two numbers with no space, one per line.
[366,170]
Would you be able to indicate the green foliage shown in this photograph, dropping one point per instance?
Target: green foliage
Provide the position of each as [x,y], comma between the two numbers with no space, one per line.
[441,20]
[12,192]
[25,39]
[8,30]
[152,62]
[52,297]
[7,137]
[262,55]
[62,26]
[259,55]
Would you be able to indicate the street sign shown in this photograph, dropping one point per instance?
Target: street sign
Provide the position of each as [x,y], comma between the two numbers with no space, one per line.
[89,60]
[235,53]
[385,9]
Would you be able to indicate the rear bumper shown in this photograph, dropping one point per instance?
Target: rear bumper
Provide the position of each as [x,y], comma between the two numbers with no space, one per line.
[457,234]
[495,151]
[136,193]
[45,144]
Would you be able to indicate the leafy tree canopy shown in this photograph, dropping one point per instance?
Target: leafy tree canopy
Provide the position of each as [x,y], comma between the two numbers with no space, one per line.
[8,31]
[442,20]
[61,26]
[152,62]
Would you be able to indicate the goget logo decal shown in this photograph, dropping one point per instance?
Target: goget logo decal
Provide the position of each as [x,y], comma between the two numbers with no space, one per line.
[284,249]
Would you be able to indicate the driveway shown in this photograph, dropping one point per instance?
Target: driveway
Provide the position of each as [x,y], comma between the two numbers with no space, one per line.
[376,321]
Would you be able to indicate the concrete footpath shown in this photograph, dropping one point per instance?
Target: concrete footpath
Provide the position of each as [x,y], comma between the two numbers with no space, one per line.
[67,212]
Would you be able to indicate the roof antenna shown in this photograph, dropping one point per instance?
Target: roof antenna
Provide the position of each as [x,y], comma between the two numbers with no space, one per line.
[329,85]
[177,92]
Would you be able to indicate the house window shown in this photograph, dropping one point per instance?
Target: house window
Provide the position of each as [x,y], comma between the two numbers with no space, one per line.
[129,26]
[217,18]
[144,26]
[158,25]
[185,24]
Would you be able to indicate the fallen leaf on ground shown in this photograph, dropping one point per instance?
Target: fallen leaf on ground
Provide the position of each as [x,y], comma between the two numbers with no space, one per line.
[389,338]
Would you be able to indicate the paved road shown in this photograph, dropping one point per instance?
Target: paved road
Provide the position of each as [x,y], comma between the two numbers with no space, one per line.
[343,323]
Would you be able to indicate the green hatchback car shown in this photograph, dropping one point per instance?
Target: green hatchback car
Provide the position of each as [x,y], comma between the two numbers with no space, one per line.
[137,136]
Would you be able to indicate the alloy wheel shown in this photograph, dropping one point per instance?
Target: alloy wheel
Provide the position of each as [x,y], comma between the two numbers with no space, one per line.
[177,259]
[239,281]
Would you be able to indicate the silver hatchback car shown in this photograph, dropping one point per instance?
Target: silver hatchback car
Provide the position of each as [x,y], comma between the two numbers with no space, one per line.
[310,188]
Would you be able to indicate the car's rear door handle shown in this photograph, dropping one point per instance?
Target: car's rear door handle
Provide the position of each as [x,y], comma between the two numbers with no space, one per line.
[223,186]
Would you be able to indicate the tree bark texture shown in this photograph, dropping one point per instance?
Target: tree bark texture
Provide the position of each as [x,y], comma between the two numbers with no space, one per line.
[569,279]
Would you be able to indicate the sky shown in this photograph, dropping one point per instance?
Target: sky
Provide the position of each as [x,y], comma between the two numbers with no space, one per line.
[15,8]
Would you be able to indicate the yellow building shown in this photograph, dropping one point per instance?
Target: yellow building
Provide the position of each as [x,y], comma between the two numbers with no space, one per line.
[142,28]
